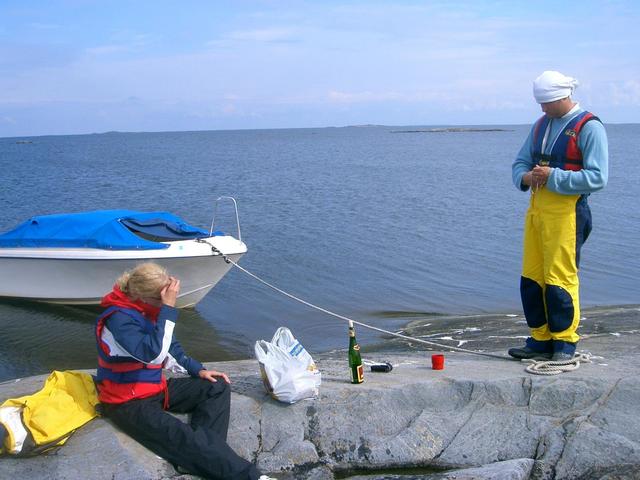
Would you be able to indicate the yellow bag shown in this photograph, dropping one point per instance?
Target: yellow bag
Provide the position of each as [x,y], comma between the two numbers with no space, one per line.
[36,423]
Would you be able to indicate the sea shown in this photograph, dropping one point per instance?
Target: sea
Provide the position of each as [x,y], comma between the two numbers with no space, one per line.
[380,224]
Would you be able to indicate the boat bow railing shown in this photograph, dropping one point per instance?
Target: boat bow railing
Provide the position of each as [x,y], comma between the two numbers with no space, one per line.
[215,214]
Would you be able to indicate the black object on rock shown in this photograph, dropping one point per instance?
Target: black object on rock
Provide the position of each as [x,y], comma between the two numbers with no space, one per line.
[385,367]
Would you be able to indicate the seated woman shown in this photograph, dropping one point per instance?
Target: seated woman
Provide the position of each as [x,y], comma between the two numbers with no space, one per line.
[135,342]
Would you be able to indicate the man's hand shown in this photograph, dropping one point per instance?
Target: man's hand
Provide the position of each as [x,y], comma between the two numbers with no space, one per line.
[212,374]
[169,292]
[540,176]
[537,177]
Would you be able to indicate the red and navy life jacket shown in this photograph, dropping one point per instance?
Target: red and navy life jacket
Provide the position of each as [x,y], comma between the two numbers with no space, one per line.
[121,377]
[565,153]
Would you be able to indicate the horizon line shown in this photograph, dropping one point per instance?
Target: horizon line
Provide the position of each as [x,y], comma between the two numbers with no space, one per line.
[364,125]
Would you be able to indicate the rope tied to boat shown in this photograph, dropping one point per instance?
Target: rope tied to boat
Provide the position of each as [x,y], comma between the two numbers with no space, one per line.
[216,251]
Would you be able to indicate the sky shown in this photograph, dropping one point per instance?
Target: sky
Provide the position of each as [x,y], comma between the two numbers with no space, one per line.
[83,66]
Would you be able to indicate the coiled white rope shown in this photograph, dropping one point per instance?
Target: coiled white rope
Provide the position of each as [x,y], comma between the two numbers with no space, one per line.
[550,367]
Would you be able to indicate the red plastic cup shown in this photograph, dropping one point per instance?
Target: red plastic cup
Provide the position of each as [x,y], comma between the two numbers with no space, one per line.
[437,361]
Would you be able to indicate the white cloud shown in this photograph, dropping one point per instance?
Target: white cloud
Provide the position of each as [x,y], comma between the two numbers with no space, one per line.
[605,43]
[625,93]
[432,95]
[360,97]
[229,109]
[494,104]
[124,42]
[44,26]
[107,49]
[266,35]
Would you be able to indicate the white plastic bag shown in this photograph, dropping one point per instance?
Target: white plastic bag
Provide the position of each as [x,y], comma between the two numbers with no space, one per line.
[288,372]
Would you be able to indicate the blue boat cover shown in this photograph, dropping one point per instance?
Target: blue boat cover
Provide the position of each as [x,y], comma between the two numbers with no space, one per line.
[106,229]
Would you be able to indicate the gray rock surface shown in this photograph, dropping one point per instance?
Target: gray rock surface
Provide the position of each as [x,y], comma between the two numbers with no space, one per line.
[480,417]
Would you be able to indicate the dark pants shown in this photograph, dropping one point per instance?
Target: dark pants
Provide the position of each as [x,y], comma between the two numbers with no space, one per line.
[201,447]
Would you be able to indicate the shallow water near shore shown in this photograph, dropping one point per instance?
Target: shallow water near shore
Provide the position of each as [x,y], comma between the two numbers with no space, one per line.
[381,227]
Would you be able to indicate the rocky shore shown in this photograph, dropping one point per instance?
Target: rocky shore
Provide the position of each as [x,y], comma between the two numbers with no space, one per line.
[479,418]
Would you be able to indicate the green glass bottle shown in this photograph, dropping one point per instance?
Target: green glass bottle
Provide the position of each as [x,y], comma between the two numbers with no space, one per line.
[355,362]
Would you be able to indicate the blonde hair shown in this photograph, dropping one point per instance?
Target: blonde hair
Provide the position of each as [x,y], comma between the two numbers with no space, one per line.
[144,281]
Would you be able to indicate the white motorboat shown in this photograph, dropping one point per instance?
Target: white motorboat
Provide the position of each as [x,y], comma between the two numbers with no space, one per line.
[76,258]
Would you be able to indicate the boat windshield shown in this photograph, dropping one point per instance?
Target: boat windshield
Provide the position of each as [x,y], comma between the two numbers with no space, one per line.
[106,229]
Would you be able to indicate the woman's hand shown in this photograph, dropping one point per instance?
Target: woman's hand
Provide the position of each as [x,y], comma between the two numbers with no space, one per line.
[212,374]
[169,292]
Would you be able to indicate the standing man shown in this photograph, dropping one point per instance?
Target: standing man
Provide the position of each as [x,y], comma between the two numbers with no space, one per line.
[563,160]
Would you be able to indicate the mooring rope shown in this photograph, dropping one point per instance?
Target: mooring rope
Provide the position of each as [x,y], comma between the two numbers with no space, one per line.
[370,327]
[575,361]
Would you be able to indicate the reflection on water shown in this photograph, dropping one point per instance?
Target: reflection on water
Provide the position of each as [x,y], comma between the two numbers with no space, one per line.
[401,314]
[38,338]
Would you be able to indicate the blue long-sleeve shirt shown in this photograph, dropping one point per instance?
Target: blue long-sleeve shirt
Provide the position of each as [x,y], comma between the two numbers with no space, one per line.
[151,343]
[593,144]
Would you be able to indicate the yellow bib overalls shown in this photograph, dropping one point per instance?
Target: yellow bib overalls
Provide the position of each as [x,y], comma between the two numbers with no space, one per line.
[556,226]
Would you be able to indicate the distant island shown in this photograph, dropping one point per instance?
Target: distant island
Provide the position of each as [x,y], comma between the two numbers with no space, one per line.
[452,130]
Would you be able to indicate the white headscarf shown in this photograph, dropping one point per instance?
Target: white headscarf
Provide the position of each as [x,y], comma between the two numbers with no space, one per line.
[552,86]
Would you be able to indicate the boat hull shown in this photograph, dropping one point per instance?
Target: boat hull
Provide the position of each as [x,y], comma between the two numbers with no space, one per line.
[83,277]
